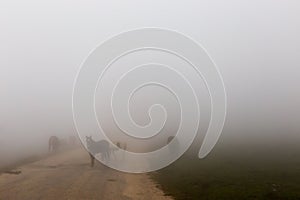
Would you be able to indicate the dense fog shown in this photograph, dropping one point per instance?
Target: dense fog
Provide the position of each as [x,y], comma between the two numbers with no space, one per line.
[255,45]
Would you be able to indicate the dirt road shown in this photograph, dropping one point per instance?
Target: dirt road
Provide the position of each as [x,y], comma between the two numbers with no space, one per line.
[68,175]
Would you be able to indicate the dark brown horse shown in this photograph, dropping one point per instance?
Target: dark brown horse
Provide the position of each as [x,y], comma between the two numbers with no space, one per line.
[53,144]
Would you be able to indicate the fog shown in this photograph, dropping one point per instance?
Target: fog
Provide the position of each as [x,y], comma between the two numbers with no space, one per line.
[255,45]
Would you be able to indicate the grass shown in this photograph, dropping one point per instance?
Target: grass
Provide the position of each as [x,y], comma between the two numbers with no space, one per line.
[233,175]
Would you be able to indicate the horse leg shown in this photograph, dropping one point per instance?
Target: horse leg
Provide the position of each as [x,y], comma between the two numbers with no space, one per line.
[49,146]
[107,155]
[92,160]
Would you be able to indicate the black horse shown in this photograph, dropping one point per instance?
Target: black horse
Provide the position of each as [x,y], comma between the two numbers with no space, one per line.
[96,147]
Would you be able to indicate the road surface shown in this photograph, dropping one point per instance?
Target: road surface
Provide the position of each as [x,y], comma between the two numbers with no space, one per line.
[68,175]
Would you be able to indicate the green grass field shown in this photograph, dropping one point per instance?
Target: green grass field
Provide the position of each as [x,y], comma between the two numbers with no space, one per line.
[259,174]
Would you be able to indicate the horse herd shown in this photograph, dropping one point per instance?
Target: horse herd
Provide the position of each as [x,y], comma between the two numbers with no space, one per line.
[94,147]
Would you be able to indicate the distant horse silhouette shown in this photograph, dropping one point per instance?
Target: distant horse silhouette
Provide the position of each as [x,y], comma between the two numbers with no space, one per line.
[96,147]
[53,144]
[173,147]
[122,145]
[170,139]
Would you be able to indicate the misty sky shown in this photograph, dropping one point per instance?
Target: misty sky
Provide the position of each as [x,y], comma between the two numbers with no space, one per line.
[255,44]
